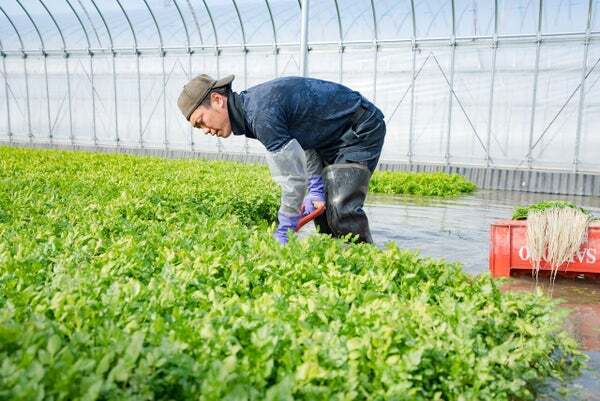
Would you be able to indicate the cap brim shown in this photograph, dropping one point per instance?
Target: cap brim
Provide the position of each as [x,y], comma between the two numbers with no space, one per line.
[224,81]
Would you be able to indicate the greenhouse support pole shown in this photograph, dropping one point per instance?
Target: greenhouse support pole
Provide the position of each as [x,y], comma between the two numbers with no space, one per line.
[6,96]
[139,98]
[163,54]
[535,86]
[164,89]
[304,39]
[582,90]
[45,57]
[137,53]
[189,53]
[189,74]
[451,87]
[24,55]
[29,132]
[375,51]
[340,43]
[107,32]
[217,53]
[493,80]
[450,102]
[245,50]
[412,85]
[92,82]
[68,73]
[275,45]
[115,93]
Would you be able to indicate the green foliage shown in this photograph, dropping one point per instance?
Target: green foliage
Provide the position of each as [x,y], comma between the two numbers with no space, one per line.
[139,278]
[424,184]
[521,212]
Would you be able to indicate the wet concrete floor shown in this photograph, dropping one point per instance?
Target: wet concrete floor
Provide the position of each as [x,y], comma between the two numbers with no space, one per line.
[458,230]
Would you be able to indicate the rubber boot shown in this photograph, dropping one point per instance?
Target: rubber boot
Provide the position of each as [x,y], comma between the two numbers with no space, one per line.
[346,187]
[322,225]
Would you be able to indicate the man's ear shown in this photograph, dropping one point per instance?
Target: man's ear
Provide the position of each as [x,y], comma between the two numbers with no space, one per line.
[217,99]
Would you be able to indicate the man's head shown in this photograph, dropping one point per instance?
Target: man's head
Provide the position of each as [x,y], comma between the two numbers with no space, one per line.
[203,102]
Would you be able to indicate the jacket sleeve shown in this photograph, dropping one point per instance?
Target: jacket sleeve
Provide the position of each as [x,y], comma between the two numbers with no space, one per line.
[288,169]
[285,157]
[314,164]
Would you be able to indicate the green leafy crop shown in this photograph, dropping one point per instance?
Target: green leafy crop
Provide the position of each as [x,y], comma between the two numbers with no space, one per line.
[521,212]
[425,184]
[147,279]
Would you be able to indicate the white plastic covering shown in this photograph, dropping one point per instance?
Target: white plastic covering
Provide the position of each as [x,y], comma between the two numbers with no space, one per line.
[489,83]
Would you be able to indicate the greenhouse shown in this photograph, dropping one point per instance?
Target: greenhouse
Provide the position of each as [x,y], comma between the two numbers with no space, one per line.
[481,83]
[361,200]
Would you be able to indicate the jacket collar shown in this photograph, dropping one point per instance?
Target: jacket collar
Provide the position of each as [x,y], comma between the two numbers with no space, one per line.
[237,116]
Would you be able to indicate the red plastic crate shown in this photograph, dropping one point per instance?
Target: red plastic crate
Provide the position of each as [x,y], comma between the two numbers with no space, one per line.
[508,250]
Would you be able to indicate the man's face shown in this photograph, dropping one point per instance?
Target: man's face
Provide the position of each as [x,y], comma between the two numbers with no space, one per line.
[213,119]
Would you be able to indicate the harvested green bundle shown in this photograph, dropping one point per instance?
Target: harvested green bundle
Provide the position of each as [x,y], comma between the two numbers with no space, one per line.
[521,212]
[555,234]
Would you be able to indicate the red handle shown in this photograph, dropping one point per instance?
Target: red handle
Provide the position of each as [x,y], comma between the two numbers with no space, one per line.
[309,217]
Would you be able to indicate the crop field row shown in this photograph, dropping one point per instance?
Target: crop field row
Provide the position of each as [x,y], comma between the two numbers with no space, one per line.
[142,279]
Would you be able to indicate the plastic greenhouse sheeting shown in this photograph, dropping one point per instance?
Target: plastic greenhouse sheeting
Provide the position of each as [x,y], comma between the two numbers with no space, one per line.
[464,82]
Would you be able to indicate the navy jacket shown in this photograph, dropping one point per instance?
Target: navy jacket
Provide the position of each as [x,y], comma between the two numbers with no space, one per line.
[312,111]
[297,119]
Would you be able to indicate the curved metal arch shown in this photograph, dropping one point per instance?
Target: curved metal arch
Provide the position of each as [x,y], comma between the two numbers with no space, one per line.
[87,15]
[212,23]
[453,6]
[414,19]
[375,30]
[135,42]
[275,43]
[160,37]
[15,28]
[339,19]
[341,44]
[195,19]
[237,12]
[87,37]
[272,22]
[62,37]
[34,25]
[110,39]
[187,34]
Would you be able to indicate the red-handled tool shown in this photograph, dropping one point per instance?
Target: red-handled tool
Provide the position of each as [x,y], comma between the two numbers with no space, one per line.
[309,217]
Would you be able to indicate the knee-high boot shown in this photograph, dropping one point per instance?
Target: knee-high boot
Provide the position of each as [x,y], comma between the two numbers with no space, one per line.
[346,187]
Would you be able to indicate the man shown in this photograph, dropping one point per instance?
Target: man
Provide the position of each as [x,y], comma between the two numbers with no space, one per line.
[316,132]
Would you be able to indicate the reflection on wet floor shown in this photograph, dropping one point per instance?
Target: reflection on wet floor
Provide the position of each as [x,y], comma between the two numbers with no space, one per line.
[458,230]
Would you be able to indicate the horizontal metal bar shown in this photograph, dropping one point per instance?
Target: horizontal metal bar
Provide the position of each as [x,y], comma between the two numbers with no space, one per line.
[459,41]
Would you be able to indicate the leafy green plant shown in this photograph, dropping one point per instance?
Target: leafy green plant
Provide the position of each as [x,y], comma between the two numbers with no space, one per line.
[424,184]
[521,212]
[140,278]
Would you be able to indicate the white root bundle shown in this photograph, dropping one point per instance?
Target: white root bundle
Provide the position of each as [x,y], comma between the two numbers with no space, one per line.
[555,235]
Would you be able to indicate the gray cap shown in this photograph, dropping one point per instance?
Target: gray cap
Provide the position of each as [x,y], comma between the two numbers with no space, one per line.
[196,90]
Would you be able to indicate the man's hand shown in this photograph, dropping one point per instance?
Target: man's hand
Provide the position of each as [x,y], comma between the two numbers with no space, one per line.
[315,197]
[286,222]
